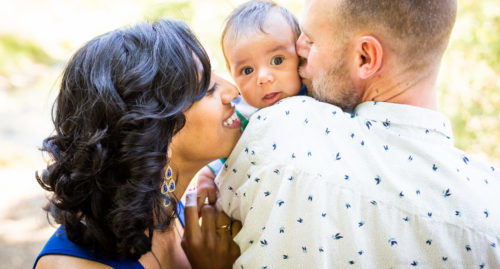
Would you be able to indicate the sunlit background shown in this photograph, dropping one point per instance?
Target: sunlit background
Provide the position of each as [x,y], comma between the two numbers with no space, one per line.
[37,37]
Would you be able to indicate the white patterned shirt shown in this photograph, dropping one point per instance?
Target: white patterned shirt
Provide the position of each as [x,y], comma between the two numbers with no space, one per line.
[381,188]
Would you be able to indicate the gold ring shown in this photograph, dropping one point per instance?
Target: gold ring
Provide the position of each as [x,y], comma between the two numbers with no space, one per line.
[226,227]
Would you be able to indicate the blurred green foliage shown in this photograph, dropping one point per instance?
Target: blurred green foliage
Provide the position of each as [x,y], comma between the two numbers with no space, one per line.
[470,80]
[180,9]
[483,42]
[14,52]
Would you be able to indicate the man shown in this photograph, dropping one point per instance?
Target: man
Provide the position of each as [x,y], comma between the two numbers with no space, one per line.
[379,187]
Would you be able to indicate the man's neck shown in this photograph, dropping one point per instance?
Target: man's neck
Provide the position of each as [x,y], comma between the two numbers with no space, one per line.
[411,88]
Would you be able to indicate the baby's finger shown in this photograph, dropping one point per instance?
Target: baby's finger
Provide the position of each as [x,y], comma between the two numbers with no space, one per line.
[192,230]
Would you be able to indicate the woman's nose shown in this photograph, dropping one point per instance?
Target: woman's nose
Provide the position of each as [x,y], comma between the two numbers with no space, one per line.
[265,76]
[228,93]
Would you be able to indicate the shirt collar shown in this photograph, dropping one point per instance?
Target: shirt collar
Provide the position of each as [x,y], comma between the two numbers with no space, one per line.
[401,114]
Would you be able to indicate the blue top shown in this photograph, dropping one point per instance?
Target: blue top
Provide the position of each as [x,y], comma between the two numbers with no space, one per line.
[59,244]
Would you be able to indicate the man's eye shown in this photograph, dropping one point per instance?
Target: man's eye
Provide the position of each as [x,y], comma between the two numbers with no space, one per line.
[277,60]
[247,71]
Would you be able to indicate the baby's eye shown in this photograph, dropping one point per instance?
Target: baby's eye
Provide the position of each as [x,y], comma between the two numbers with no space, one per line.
[277,60]
[246,71]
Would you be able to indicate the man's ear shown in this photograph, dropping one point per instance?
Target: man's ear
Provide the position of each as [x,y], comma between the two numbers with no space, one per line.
[369,54]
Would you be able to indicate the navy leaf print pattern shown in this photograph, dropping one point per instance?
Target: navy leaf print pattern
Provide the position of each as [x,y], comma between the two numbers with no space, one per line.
[337,236]
[386,123]
[358,179]
[446,193]
[368,124]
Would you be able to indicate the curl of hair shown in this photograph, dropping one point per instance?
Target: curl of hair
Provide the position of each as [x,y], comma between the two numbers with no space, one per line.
[121,100]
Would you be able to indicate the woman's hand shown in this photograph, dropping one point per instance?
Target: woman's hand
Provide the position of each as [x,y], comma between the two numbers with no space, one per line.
[211,245]
[206,187]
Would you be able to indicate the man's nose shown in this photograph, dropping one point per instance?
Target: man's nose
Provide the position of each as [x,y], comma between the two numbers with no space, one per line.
[302,47]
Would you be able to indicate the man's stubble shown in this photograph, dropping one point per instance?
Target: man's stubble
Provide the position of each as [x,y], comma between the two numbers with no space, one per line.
[335,86]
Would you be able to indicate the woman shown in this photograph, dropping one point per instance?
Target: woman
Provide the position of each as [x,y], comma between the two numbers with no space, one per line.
[137,115]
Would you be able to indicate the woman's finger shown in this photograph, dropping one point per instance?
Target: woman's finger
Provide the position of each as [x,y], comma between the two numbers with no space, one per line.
[235,228]
[192,232]
[224,230]
[208,226]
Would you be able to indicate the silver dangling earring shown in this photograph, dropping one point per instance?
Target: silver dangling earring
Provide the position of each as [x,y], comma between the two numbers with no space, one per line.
[168,186]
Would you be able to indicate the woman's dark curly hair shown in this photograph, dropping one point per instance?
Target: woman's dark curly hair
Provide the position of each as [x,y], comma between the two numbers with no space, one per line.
[121,100]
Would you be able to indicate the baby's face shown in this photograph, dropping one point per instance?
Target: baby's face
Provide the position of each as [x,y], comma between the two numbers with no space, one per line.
[264,65]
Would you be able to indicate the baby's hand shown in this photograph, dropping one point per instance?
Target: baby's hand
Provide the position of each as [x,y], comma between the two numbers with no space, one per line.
[206,187]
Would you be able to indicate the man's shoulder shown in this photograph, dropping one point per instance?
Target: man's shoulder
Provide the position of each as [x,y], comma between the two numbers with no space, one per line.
[293,107]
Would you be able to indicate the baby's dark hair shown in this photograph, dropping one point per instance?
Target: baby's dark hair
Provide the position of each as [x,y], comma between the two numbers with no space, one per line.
[122,98]
[251,16]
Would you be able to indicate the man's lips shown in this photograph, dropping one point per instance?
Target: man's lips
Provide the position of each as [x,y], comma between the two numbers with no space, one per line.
[271,98]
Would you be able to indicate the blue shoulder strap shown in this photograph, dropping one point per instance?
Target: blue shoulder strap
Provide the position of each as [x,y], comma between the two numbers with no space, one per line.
[60,244]
[180,212]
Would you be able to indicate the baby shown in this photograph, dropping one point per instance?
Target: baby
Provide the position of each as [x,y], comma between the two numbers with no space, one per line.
[258,43]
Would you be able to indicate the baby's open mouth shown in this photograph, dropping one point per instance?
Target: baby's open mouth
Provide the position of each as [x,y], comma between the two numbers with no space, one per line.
[271,98]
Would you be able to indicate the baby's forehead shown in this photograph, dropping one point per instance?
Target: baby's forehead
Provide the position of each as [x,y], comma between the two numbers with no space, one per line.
[245,29]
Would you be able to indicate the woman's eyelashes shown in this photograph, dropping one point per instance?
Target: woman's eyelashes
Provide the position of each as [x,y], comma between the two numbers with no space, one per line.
[213,89]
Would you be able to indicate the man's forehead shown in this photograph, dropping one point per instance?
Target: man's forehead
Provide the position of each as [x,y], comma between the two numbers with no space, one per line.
[317,12]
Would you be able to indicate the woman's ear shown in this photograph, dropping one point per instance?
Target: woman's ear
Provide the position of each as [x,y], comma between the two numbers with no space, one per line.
[369,54]
[169,153]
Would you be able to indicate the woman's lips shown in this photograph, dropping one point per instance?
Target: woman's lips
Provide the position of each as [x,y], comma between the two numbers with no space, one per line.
[232,121]
[271,98]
